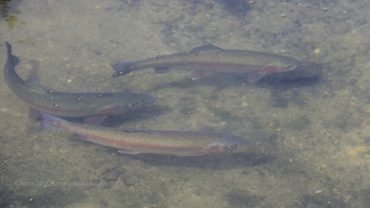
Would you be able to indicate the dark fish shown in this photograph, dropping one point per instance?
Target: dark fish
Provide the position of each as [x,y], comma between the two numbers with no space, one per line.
[213,59]
[180,143]
[69,104]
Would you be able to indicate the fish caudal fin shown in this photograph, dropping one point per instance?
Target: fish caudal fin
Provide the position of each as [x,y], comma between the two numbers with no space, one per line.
[121,68]
[51,122]
[11,59]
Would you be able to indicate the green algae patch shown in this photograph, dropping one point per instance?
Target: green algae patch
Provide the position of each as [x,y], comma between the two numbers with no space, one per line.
[11,20]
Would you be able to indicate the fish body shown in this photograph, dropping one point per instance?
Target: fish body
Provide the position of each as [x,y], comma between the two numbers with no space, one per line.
[180,143]
[69,104]
[214,59]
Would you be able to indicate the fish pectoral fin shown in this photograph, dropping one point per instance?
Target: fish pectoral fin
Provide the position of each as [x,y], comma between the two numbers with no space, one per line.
[129,152]
[255,76]
[95,120]
[208,47]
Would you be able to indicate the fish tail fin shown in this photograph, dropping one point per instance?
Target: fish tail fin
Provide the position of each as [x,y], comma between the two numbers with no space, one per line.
[121,68]
[13,60]
[51,122]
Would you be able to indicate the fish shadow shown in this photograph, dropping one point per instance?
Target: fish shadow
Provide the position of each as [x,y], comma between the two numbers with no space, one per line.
[309,74]
[146,113]
[215,162]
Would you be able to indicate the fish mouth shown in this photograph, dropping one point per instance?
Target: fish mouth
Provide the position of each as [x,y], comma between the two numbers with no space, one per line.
[232,143]
[121,68]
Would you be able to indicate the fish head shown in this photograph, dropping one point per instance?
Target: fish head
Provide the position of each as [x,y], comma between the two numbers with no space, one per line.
[122,68]
[232,143]
[279,64]
[288,64]
[277,68]
[125,102]
[229,143]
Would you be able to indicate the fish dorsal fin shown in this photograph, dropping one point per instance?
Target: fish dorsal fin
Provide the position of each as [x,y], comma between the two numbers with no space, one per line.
[208,47]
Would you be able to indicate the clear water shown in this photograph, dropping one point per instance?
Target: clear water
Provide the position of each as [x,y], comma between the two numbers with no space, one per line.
[314,135]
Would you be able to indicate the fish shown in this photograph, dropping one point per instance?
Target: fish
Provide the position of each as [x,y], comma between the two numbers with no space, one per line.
[210,58]
[166,142]
[71,105]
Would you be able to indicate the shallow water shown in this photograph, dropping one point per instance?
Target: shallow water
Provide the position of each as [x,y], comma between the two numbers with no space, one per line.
[313,133]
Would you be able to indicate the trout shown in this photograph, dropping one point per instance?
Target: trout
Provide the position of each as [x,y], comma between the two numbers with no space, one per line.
[210,58]
[69,104]
[179,143]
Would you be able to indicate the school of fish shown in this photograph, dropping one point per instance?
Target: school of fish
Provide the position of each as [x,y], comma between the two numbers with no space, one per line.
[54,107]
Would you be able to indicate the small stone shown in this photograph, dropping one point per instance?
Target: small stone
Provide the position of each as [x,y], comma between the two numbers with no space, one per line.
[244,104]
[318,191]
[317,51]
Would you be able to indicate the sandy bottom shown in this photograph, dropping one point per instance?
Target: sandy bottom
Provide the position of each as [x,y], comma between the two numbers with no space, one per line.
[313,134]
